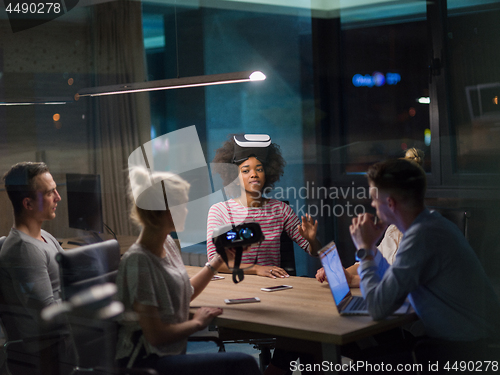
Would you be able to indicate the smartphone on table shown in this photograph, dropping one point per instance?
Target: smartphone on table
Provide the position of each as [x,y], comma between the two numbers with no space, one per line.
[241,300]
[276,288]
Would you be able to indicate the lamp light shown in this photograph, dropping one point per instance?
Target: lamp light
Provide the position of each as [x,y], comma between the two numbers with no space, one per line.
[36,102]
[174,83]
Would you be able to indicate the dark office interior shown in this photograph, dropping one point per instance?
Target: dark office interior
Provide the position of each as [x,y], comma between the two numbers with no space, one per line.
[347,85]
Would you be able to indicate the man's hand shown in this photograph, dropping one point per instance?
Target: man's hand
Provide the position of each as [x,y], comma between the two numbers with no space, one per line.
[365,233]
[352,280]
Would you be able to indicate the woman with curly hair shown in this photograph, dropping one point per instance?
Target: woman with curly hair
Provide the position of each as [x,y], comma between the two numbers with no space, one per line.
[251,165]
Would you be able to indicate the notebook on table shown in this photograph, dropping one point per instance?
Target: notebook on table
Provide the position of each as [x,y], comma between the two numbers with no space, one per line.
[346,303]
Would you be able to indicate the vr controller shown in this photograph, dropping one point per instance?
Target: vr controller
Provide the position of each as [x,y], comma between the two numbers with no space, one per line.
[236,236]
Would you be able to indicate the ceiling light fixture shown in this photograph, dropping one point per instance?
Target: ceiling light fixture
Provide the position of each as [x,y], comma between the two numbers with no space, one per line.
[175,83]
[37,102]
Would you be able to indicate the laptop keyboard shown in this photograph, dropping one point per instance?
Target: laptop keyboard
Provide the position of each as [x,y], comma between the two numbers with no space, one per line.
[357,304]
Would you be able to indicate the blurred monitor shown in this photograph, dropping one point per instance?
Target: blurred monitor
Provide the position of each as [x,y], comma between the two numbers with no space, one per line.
[84,202]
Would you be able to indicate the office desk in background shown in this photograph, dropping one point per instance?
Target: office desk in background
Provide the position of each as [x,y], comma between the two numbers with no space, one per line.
[124,241]
[303,318]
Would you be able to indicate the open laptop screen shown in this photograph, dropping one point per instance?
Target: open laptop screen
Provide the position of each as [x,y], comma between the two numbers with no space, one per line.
[334,272]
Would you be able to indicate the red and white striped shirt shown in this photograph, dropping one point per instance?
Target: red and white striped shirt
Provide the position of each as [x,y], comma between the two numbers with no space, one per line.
[273,217]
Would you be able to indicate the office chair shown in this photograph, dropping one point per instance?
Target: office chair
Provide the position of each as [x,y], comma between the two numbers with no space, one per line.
[459,216]
[87,266]
[94,337]
[91,315]
[287,254]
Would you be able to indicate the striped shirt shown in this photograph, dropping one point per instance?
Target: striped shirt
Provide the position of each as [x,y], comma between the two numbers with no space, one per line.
[273,217]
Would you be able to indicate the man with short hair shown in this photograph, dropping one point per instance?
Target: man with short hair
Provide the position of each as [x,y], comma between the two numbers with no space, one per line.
[29,274]
[435,267]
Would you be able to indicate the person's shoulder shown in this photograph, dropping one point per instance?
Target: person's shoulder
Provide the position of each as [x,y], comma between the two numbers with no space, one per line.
[393,231]
[433,221]
[431,226]
[135,253]
[221,206]
[21,248]
[16,240]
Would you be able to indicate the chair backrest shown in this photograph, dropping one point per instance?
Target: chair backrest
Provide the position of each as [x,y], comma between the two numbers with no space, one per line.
[287,253]
[88,265]
[459,216]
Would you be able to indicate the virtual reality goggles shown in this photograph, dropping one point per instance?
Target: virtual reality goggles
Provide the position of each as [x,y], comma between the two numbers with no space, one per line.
[248,145]
[237,237]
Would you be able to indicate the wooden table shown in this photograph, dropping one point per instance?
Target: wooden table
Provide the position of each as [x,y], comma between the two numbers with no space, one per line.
[303,318]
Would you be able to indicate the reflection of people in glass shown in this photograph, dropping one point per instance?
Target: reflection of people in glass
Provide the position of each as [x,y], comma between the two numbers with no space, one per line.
[389,244]
[334,268]
[154,285]
[258,168]
[334,271]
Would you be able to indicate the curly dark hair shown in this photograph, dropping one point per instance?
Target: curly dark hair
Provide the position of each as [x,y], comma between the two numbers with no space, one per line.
[274,166]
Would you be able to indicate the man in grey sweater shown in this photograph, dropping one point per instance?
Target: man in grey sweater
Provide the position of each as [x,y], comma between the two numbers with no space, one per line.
[29,274]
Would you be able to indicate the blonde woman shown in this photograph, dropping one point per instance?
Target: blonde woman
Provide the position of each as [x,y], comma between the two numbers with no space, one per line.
[155,288]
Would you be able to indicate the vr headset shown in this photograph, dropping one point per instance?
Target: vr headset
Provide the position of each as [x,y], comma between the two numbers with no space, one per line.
[250,145]
[236,236]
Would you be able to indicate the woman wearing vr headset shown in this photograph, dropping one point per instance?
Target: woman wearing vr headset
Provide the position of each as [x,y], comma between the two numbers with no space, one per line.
[156,290]
[250,165]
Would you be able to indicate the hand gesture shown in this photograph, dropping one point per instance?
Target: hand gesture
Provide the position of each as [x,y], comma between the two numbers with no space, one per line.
[308,228]
[364,232]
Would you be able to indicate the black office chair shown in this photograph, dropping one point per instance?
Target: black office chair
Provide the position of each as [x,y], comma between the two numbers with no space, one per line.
[459,216]
[94,338]
[87,266]
[287,254]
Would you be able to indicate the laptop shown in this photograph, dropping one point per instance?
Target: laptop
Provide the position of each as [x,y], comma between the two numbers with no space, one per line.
[346,303]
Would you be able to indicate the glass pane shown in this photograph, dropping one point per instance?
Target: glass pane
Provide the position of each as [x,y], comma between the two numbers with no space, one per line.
[385,86]
[474,84]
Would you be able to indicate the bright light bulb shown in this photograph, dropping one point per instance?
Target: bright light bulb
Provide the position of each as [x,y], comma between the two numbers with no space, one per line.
[257,76]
